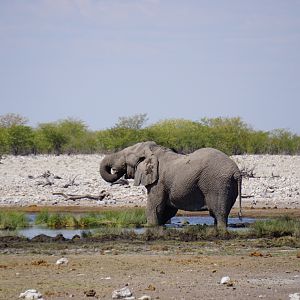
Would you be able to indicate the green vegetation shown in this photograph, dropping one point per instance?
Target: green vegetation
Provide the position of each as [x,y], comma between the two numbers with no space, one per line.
[13,220]
[283,226]
[112,225]
[127,218]
[231,135]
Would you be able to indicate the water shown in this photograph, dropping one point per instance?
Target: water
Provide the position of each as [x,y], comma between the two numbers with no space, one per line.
[32,232]
[201,220]
[35,230]
[176,222]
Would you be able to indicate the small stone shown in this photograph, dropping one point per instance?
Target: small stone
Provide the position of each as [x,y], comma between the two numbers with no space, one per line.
[225,280]
[295,296]
[123,293]
[145,297]
[31,295]
[62,261]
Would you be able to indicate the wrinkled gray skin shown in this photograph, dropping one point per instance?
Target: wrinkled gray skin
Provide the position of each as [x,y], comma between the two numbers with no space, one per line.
[206,179]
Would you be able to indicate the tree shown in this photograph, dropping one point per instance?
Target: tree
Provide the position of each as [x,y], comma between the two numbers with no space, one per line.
[4,141]
[20,139]
[53,136]
[179,134]
[282,141]
[11,119]
[136,122]
[229,135]
[75,131]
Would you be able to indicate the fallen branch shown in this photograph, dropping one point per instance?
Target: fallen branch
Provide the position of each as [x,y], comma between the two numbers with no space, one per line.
[70,183]
[248,172]
[247,196]
[103,194]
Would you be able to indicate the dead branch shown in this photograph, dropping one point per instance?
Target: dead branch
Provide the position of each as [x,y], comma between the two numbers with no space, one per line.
[70,183]
[103,194]
[248,173]
[247,196]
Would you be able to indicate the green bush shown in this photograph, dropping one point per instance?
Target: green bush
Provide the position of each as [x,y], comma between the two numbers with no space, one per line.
[20,138]
[178,134]
[230,135]
[284,226]
[42,217]
[13,220]
[125,218]
[4,141]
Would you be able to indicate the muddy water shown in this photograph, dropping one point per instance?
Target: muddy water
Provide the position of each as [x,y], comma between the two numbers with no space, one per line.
[176,222]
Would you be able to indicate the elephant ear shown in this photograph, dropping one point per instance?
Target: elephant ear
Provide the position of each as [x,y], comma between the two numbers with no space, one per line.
[147,171]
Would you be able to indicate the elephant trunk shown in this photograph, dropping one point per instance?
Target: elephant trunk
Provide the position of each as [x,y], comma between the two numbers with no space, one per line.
[106,169]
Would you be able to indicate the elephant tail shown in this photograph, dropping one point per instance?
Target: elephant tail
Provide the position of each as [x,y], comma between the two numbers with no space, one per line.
[238,177]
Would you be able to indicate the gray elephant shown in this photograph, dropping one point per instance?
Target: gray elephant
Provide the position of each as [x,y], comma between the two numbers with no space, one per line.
[206,179]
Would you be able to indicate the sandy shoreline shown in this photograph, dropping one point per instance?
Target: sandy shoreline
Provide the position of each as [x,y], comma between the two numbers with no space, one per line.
[274,182]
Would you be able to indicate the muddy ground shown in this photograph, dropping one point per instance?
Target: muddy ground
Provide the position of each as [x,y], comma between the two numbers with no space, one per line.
[258,268]
[162,270]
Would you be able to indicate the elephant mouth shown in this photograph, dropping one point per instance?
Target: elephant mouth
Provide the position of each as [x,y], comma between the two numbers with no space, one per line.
[112,171]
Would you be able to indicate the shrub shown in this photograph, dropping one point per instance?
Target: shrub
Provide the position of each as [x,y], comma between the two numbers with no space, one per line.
[284,226]
[230,135]
[13,220]
[127,218]
[20,139]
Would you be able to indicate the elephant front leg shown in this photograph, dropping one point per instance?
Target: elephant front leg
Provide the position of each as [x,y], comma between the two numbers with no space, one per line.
[159,215]
[151,213]
[157,211]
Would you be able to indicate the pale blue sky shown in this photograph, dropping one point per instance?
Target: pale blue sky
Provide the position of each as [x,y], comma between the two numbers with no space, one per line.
[97,60]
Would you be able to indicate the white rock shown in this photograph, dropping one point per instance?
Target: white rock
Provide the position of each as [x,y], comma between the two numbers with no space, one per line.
[31,295]
[123,293]
[62,261]
[295,296]
[225,280]
[145,297]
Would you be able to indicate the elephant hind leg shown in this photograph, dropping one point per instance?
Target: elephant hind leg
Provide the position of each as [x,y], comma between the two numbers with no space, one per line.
[218,210]
[220,221]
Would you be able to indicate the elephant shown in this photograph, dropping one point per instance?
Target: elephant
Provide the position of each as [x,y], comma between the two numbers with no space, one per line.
[206,179]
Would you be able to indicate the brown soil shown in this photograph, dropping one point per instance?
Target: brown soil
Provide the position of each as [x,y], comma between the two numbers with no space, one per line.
[160,276]
[258,268]
[247,211]
[161,269]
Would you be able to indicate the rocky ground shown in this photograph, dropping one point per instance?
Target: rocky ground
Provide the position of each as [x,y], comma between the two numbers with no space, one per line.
[269,181]
[160,270]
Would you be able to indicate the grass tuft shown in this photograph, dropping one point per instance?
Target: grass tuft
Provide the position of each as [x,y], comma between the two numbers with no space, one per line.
[279,227]
[133,218]
[13,220]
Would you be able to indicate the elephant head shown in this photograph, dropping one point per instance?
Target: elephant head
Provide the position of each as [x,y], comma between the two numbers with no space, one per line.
[137,162]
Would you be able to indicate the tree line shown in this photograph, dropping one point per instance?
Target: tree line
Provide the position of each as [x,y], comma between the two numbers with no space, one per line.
[71,136]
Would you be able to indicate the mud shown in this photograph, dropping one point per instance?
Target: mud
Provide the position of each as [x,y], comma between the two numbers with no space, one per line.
[162,269]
